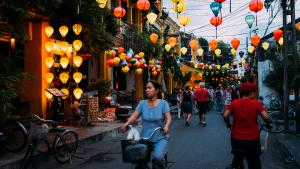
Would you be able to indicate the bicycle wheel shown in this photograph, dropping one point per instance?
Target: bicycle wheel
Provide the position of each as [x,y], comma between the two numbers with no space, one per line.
[16,136]
[274,104]
[66,146]
[30,151]
[277,120]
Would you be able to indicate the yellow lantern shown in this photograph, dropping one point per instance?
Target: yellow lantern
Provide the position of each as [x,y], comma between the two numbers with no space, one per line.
[178,1]
[217,52]
[218,67]
[159,66]
[183,50]
[153,69]
[77,28]
[235,63]
[64,62]
[151,62]
[200,52]
[196,66]
[63,30]
[250,49]
[142,54]
[77,61]
[101,3]
[280,41]
[77,77]
[151,18]
[125,69]
[137,63]
[48,95]
[64,46]
[117,60]
[64,77]
[180,7]
[108,52]
[77,93]
[191,63]
[77,45]
[139,71]
[227,65]
[210,67]
[243,61]
[70,48]
[49,31]
[122,56]
[167,47]
[65,91]
[49,77]
[265,45]
[233,51]
[49,62]
[49,46]
[184,20]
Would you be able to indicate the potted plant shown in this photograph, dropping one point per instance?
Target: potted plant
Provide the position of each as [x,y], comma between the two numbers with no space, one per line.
[103,86]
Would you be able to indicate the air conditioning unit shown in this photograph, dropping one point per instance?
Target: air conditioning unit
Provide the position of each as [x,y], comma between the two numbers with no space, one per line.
[27,28]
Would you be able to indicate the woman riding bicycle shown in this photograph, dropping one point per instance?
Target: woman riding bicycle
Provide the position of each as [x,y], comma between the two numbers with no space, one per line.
[245,134]
[154,113]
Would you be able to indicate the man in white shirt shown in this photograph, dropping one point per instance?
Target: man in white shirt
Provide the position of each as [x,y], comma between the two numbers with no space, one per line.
[211,92]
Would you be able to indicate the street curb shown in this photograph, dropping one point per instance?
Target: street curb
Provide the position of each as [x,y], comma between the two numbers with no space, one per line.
[40,158]
[289,147]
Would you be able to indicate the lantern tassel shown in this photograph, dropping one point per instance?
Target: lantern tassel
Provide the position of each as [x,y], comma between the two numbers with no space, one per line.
[213,56]
[127,3]
[184,33]
[256,19]
[265,54]
[277,48]
[119,25]
[143,18]
[255,53]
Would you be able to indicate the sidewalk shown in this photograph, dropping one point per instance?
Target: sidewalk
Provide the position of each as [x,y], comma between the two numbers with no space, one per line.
[292,144]
[86,136]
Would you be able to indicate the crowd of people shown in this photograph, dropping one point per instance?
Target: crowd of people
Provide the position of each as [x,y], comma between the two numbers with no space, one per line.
[203,99]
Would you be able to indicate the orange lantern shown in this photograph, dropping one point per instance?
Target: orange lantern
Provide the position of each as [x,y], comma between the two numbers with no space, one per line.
[172,41]
[255,41]
[113,54]
[154,38]
[110,62]
[213,46]
[193,44]
[216,21]
[277,34]
[143,5]
[235,43]
[120,50]
[119,12]
[154,73]
[255,6]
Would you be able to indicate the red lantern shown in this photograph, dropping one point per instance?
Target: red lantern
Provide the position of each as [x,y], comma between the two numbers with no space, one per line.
[216,21]
[277,34]
[159,63]
[137,57]
[154,73]
[193,44]
[141,65]
[143,5]
[191,78]
[127,58]
[235,43]
[255,6]
[220,1]
[157,70]
[120,50]
[145,66]
[151,66]
[110,62]
[255,40]
[171,56]
[119,12]
[129,64]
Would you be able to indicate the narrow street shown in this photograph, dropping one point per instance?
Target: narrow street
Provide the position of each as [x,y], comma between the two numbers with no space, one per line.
[191,146]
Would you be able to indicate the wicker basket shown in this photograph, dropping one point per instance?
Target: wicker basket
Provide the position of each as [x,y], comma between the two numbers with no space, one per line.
[38,132]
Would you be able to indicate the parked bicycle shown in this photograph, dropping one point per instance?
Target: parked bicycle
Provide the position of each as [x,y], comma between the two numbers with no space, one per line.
[274,104]
[138,152]
[63,148]
[15,134]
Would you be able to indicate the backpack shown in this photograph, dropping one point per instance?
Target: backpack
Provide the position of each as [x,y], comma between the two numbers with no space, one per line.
[218,94]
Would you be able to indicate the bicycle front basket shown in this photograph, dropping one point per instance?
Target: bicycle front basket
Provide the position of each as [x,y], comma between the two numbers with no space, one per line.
[38,132]
[134,152]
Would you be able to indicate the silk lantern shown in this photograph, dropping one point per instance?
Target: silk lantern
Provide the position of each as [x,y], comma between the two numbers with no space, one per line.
[64,46]
[250,49]
[119,12]
[77,29]
[256,6]
[64,62]
[49,62]
[64,77]
[217,52]
[110,62]
[255,41]
[233,51]
[143,5]
[77,61]
[154,38]
[77,45]
[241,53]
[265,45]
[151,18]
[48,95]
[183,50]
[167,47]
[200,52]
[172,41]
[65,91]
[49,77]
[230,56]
[49,31]
[235,43]
[277,34]
[243,61]
[184,20]
[77,77]
[139,71]
[216,21]
[49,46]
[280,42]
[122,56]
[179,7]
[77,93]
[213,46]
[215,8]
[142,54]
[63,30]
[125,69]
[193,44]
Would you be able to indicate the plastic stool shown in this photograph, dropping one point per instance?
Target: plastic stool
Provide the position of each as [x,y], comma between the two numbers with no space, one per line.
[66,121]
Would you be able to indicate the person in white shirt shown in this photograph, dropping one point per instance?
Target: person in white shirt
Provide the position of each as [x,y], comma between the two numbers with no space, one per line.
[211,92]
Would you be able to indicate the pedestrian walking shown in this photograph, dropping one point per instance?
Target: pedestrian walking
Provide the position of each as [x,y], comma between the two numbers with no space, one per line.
[161,94]
[186,103]
[226,98]
[235,94]
[178,102]
[211,98]
[244,133]
[219,99]
[201,96]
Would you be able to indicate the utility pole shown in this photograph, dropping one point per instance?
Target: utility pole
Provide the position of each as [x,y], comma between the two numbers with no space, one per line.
[293,57]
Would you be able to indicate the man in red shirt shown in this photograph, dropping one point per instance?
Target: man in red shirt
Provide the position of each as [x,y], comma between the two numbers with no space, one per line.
[201,95]
[245,134]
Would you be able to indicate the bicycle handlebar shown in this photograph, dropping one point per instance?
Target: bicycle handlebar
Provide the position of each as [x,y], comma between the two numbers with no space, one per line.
[42,120]
[158,128]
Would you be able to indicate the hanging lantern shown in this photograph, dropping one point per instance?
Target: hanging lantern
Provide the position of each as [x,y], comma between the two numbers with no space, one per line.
[127,58]
[65,91]
[139,71]
[233,51]
[159,63]
[119,12]
[77,77]
[196,66]
[122,56]
[77,93]
[151,18]
[157,70]
[212,73]
[277,34]
[49,31]
[64,62]
[180,60]
[172,41]
[64,77]
[234,65]
[243,61]
[280,41]
[125,69]
[167,47]
[230,56]
[137,57]
[117,61]
[184,20]
[151,61]
[241,53]
[77,29]
[200,52]
[113,54]
[215,8]
[213,45]
[101,3]
[132,61]
[216,21]
[143,5]
[206,66]
[49,46]
[124,63]
[49,77]
[208,57]
[49,62]
[217,52]
[250,49]
[249,20]
[48,95]
[142,54]
[218,67]
[64,46]
[217,72]
[77,61]
[154,73]
[77,45]
[265,45]
[240,64]
[191,63]
[235,43]
[120,50]
[137,63]
[63,30]
[227,65]
[154,38]
[255,41]
[181,7]
[183,50]
[110,62]
[151,66]
[198,57]
[193,44]
[145,66]
[256,6]
[209,67]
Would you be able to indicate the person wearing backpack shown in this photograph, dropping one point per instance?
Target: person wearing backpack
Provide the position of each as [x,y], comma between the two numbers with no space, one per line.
[219,99]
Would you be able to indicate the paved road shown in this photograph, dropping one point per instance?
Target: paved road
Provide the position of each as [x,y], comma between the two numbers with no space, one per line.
[190,147]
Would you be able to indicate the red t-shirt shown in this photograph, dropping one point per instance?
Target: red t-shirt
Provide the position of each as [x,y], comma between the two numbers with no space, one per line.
[245,125]
[202,95]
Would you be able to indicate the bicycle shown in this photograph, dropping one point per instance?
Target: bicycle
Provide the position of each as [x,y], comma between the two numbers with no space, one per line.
[63,147]
[277,119]
[15,134]
[240,153]
[140,154]
[274,104]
